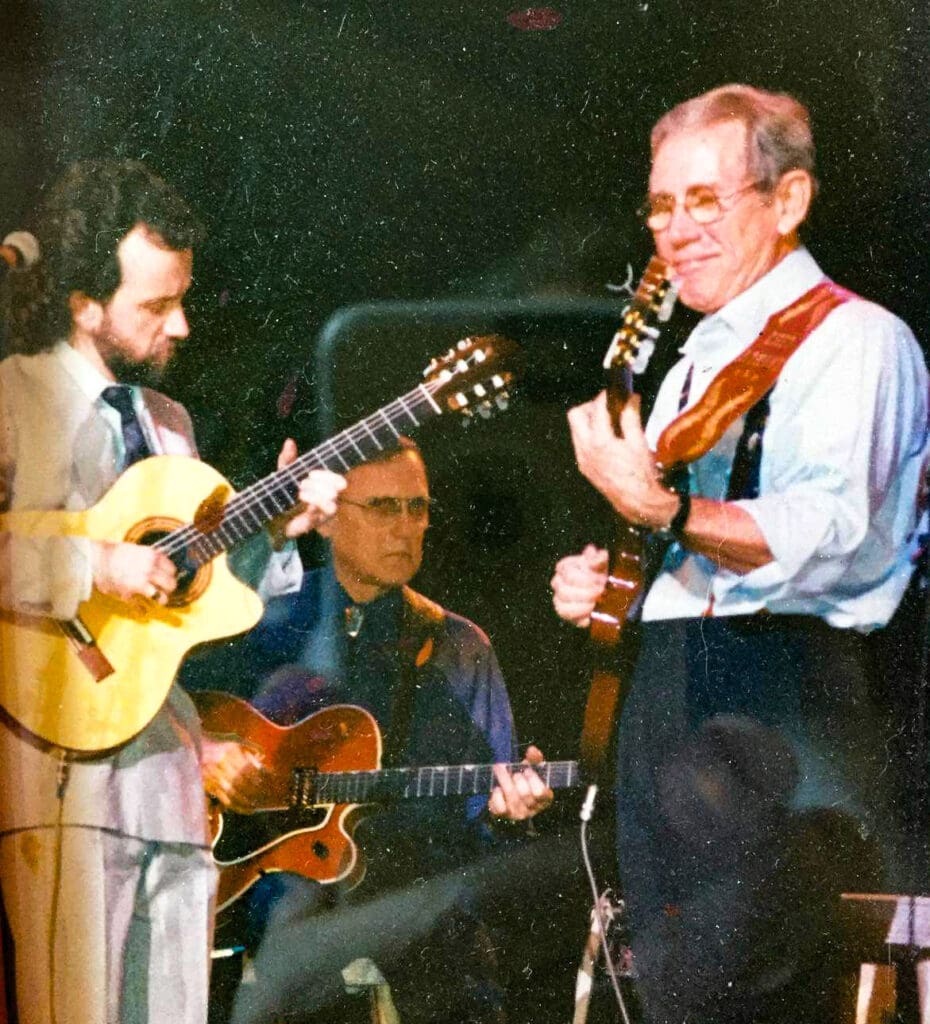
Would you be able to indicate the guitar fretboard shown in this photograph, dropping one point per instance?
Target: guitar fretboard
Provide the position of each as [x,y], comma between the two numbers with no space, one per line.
[250,510]
[309,787]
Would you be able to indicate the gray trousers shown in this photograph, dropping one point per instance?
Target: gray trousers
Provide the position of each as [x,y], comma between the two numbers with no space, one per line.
[107,929]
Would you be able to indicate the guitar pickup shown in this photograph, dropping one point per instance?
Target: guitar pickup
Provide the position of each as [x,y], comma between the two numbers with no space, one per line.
[303,789]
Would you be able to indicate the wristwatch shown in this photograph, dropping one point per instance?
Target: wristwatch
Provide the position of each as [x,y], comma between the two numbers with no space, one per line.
[676,526]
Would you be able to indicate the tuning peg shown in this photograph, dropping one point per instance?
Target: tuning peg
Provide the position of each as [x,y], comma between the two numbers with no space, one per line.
[668,302]
[485,410]
[480,390]
[649,332]
[643,355]
[502,400]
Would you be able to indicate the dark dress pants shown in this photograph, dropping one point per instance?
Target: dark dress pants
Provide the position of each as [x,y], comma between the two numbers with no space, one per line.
[753,788]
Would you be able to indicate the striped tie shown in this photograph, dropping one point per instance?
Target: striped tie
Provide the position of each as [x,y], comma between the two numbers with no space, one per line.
[120,398]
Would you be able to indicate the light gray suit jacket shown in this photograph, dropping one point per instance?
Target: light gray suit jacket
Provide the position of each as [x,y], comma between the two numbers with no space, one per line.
[60,447]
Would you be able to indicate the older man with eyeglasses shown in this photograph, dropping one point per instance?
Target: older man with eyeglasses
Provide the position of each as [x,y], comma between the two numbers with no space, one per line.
[357,634]
[751,726]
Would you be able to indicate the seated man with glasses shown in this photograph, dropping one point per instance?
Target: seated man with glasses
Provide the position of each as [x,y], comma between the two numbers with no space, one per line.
[798,412]
[355,633]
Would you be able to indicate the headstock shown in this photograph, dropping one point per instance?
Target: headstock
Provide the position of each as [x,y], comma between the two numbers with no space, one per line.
[652,303]
[474,376]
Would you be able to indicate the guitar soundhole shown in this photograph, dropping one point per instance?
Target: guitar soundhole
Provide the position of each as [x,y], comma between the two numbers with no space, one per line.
[321,850]
[193,578]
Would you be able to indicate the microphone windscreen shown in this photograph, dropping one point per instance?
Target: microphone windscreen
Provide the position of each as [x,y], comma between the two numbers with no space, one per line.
[26,244]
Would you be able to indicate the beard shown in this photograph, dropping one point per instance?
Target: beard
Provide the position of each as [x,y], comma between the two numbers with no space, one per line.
[126,371]
[125,368]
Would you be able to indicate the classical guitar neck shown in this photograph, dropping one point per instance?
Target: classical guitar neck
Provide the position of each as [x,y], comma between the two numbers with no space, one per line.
[469,377]
[634,340]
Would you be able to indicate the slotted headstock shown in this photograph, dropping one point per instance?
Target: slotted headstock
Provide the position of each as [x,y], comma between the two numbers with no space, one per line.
[474,376]
[652,303]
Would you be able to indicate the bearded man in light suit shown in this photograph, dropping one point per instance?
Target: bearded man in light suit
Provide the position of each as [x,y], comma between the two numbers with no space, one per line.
[105,867]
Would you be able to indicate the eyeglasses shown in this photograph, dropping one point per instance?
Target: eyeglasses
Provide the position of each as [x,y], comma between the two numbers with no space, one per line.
[386,508]
[702,204]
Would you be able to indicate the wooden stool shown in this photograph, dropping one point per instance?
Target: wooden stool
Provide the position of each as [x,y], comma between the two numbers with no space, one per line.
[894,983]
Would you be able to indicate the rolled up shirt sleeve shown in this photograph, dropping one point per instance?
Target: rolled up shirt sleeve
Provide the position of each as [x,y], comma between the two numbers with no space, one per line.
[840,472]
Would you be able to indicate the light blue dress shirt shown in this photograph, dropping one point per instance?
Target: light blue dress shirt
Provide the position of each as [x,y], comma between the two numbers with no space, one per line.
[843,456]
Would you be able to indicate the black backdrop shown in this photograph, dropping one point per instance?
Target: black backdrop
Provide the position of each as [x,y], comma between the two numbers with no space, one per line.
[352,152]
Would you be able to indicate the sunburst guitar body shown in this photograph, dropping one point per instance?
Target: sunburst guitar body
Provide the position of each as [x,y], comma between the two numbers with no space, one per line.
[319,776]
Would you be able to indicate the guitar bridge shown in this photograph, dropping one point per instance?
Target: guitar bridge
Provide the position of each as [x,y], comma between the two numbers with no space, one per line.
[303,788]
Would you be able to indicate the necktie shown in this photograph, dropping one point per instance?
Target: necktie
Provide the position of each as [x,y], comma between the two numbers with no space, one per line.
[120,398]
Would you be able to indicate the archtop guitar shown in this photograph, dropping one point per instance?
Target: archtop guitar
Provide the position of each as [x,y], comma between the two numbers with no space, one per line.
[319,776]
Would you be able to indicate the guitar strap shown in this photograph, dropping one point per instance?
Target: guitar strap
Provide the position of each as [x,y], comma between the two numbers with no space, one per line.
[742,385]
[421,624]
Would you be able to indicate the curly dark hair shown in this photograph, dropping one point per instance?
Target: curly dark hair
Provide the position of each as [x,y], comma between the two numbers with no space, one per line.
[83,218]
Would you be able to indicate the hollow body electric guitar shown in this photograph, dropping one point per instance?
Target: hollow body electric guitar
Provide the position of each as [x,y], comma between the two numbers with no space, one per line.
[318,775]
[92,683]
[629,351]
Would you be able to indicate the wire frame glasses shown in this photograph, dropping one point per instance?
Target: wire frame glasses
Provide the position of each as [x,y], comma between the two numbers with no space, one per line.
[386,508]
[702,204]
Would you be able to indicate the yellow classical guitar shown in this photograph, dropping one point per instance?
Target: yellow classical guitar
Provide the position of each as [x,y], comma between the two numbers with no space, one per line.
[92,683]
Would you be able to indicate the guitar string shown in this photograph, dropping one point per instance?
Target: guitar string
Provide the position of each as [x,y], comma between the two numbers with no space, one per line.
[244,502]
[417,399]
[336,784]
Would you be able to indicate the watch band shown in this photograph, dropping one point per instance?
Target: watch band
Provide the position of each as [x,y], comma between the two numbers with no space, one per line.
[679,520]
[676,526]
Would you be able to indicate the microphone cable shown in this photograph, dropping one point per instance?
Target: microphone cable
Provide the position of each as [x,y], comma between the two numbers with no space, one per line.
[587,809]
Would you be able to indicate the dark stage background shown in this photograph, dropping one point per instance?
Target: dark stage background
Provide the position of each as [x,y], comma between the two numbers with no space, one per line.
[439,153]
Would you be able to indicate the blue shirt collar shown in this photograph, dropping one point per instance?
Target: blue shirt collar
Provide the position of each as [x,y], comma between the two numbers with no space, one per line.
[381,616]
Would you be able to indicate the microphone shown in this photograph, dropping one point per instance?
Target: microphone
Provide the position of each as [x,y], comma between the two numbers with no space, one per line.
[18,251]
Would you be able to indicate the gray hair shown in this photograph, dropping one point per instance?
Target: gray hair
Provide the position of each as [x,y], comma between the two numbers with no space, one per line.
[778,129]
